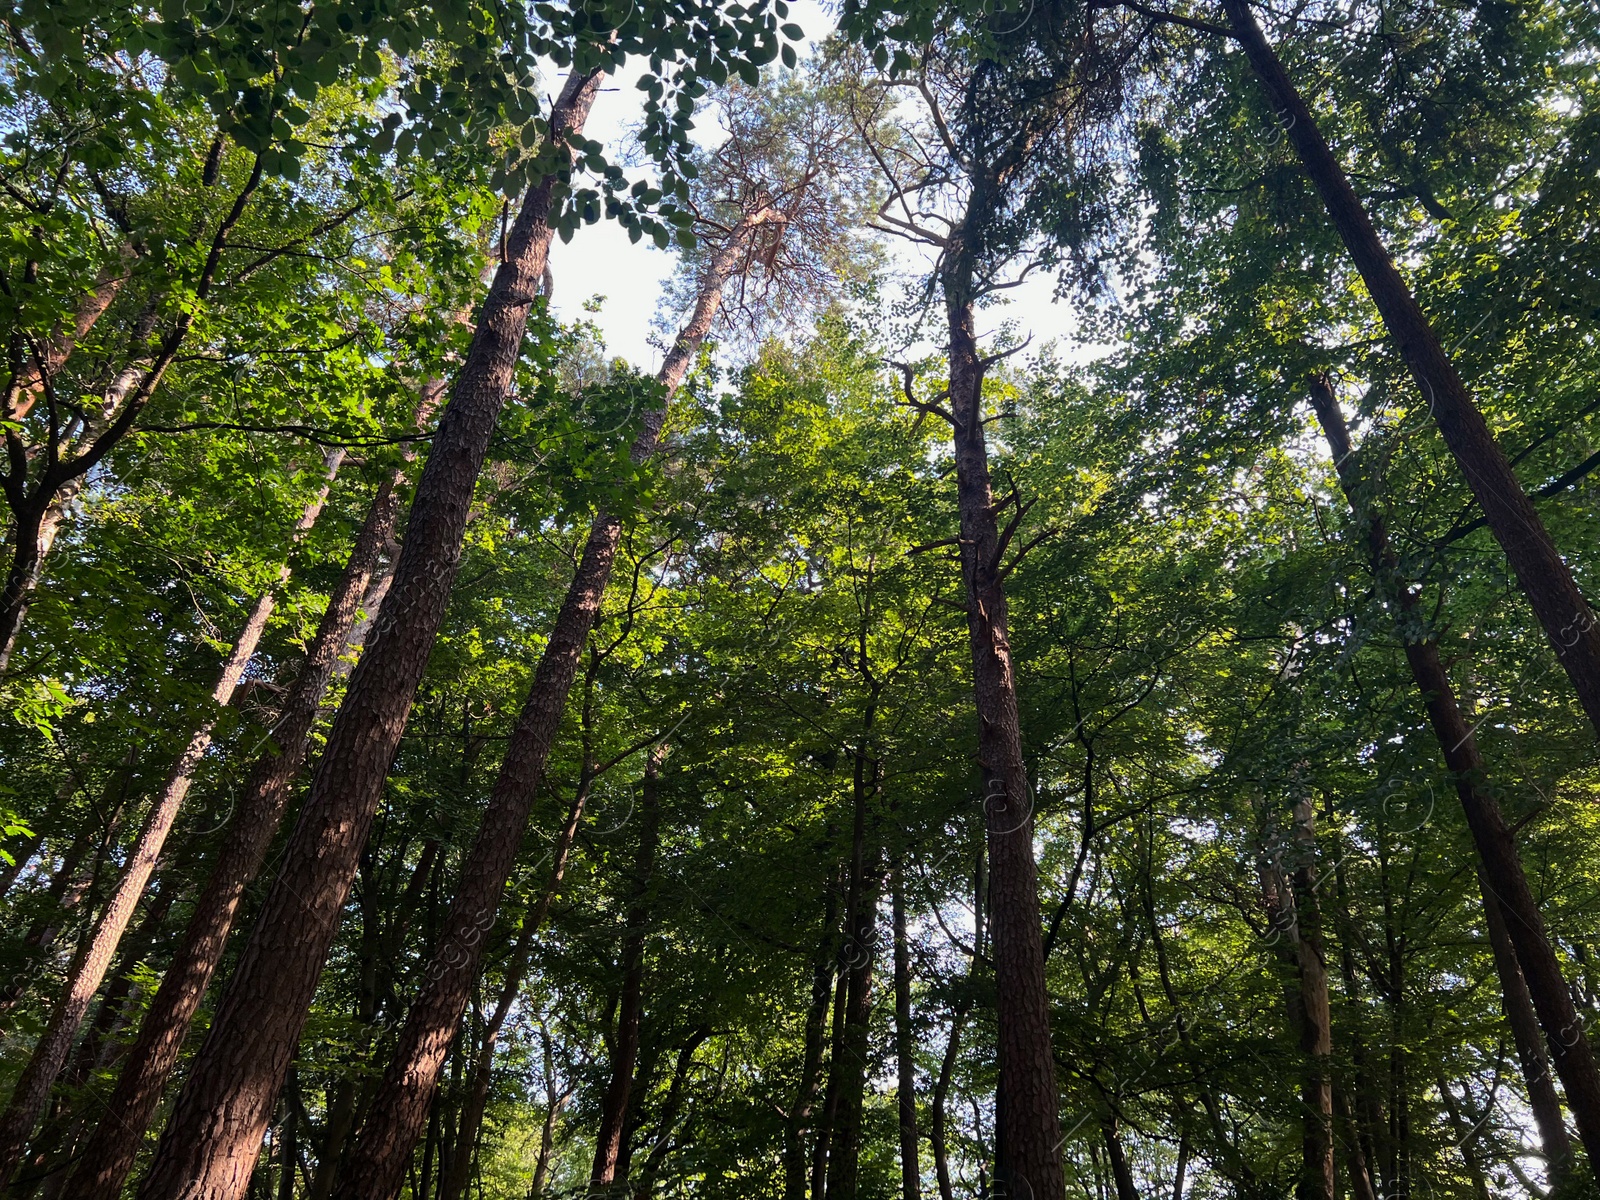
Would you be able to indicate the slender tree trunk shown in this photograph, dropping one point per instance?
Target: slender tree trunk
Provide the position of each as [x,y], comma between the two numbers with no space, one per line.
[830,1095]
[630,1007]
[939,1103]
[395,1120]
[555,1101]
[1121,1175]
[1180,1172]
[219,1118]
[1524,1022]
[22,576]
[114,1146]
[38,511]
[1300,946]
[1316,1028]
[1497,850]
[822,979]
[1465,1135]
[1027,1106]
[1362,1118]
[905,1041]
[1510,515]
[848,1066]
[646,1176]
[94,958]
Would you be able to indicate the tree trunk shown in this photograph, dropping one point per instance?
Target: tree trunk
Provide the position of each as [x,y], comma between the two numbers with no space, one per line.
[1524,1022]
[1510,515]
[37,513]
[848,1066]
[1027,1106]
[1121,1175]
[647,1174]
[630,1006]
[114,1146]
[477,1097]
[938,1104]
[395,1120]
[1497,850]
[94,958]
[1465,1134]
[22,576]
[1299,944]
[219,1118]
[822,978]
[1362,1119]
[905,1041]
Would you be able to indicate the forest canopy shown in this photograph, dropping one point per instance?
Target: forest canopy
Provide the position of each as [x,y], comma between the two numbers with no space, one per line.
[882,742]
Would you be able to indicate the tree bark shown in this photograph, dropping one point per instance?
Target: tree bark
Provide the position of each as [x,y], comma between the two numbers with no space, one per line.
[1497,850]
[114,1146]
[630,1005]
[1524,1022]
[1292,913]
[477,1097]
[1121,1175]
[217,1123]
[905,1041]
[1545,578]
[395,1121]
[94,958]
[816,1028]
[848,1066]
[646,1176]
[1027,1106]
[1464,1137]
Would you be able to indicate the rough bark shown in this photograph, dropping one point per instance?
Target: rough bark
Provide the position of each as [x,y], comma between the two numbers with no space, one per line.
[1027,1106]
[110,1154]
[477,1095]
[217,1123]
[1545,578]
[395,1121]
[905,1041]
[630,1004]
[1497,849]
[94,957]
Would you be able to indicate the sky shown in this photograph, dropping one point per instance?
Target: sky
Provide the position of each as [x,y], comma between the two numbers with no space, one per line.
[601,261]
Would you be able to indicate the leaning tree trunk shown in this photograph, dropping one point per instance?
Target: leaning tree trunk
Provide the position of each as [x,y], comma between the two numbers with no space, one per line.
[630,1004]
[1545,578]
[211,1140]
[477,1096]
[399,1110]
[1524,1022]
[112,1149]
[94,956]
[1497,848]
[1027,1100]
